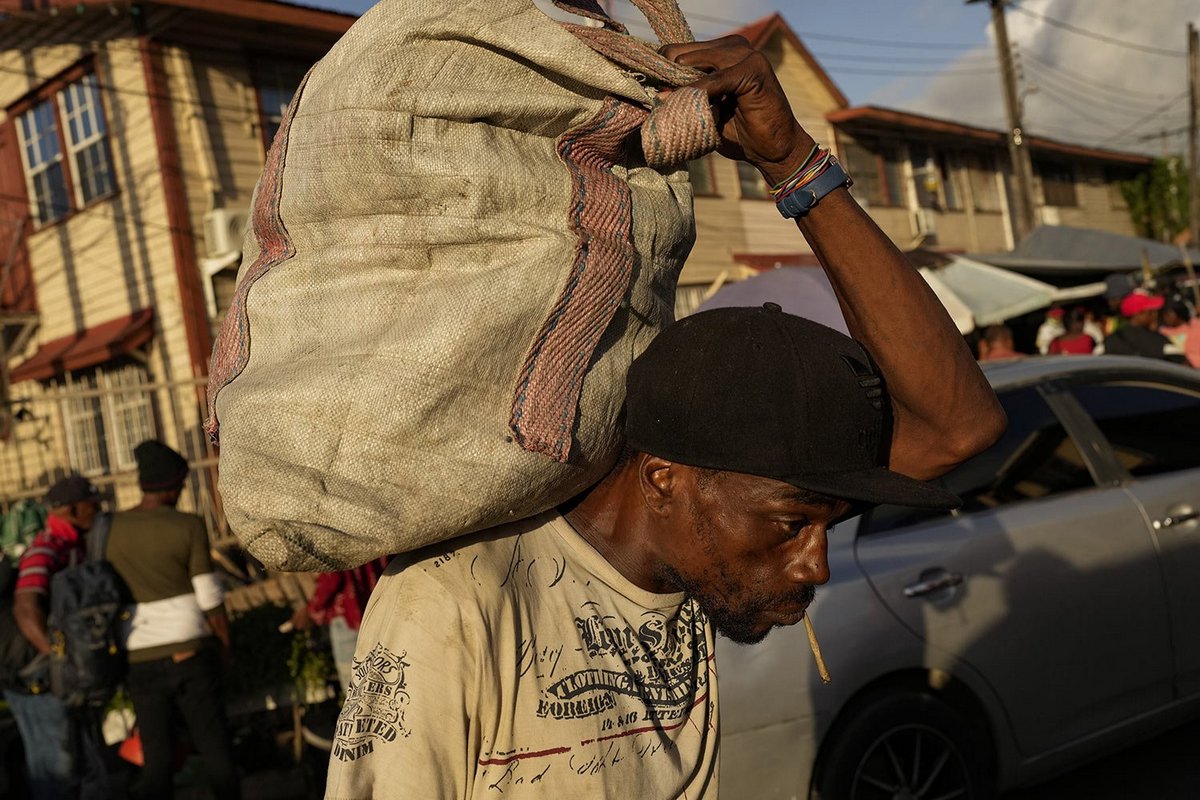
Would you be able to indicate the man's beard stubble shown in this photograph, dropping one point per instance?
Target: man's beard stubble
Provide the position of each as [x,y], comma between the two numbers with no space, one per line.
[743,626]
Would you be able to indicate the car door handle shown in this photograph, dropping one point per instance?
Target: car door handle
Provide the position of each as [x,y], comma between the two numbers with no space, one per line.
[935,582]
[1176,519]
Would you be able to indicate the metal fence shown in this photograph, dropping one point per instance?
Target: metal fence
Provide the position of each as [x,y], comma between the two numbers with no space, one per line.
[91,424]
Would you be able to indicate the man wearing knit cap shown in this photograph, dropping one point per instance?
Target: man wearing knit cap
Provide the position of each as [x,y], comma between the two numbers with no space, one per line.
[177,628]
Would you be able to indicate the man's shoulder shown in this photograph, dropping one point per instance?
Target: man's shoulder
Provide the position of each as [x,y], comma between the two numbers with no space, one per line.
[162,519]
[477,567]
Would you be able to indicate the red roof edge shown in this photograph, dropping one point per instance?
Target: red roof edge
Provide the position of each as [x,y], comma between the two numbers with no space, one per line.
[270,11]
[907,119]
[760,32]
[88,348]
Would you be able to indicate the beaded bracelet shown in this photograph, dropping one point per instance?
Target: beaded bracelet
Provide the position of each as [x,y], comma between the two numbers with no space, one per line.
[813,167]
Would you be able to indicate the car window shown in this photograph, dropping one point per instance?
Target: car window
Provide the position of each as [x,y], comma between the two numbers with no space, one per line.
[1152,430]
[1035,458]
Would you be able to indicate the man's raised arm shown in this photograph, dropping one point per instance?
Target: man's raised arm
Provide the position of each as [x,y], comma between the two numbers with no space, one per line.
[944,409]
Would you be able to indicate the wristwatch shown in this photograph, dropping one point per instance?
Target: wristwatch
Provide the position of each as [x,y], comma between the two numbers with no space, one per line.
[800,202]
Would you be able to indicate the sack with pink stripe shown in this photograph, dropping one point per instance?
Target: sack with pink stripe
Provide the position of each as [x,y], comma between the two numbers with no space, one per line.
[465,231]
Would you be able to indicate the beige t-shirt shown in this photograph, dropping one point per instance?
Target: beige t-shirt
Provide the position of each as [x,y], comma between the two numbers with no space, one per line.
[521,664]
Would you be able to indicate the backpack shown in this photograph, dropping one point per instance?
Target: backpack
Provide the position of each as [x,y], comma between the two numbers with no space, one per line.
[16,653]
[25,520]
[470,223]
[88,659]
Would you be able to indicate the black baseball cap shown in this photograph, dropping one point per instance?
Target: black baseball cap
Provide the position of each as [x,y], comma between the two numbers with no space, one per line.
[70,490]
[762,392]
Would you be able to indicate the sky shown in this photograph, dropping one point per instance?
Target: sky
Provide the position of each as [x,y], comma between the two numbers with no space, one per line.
[1110,73]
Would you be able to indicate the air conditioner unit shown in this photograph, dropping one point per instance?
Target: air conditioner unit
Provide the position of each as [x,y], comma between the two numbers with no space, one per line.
[223,231]
[924,223]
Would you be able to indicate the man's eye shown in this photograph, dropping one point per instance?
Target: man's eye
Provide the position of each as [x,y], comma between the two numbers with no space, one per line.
[794,526]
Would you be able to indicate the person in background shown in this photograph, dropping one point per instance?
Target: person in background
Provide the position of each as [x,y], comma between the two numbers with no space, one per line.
[1182,328]
[1139,335]
[1094,325]
[1050,330]
[177,631]
[338,600]
[63,748]
[1074,342]
[997,343]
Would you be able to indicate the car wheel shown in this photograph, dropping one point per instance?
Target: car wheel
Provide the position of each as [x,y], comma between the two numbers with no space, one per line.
[905,745]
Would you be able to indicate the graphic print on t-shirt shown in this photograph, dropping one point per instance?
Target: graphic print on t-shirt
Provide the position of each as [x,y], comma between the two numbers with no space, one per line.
[374,708]
[656,664]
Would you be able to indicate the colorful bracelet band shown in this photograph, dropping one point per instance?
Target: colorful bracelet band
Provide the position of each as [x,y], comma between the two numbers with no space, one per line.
[814,166]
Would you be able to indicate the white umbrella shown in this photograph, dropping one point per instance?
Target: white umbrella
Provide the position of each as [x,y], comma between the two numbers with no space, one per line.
[959,311]
[991,295]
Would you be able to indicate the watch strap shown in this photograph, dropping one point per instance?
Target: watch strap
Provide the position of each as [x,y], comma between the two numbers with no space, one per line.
[801,201]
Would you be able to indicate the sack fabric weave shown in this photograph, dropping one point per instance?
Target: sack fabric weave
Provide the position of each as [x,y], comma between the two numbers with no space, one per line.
[458,245]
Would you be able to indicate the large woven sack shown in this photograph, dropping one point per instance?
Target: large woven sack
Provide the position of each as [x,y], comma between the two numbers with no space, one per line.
[457,248]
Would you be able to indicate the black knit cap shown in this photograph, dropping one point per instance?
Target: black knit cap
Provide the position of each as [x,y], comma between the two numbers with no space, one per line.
[70,490]
[761,392]
[159,467]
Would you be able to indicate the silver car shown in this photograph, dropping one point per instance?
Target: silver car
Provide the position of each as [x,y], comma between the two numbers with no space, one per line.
[1054,618]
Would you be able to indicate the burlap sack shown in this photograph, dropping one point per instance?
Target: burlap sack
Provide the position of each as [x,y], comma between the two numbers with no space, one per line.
[457,248]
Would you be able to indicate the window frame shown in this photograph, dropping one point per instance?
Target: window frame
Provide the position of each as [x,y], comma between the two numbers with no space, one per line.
[51,93]
[100,135]
[1079,429]
[1100,447]
[892,187]
[276,62]
[705,163]
[1050,172]
[93,408]
[984,183]
[743,168]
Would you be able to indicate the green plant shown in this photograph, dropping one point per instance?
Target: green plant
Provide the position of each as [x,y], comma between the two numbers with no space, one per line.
[260,651]
[1158,199]
[310,665]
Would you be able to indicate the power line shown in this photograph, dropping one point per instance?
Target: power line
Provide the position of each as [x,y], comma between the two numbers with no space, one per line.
[941,45]
[911,73]
[1047,80]
[1058,23]
[1148,117]
[1092,82]
[1068,104]
[889,59]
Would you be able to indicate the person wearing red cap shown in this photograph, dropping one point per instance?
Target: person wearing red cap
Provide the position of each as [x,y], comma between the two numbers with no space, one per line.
[572,654]
[1139,335]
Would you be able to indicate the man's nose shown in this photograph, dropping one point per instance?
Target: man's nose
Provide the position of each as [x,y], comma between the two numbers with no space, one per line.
[809,563]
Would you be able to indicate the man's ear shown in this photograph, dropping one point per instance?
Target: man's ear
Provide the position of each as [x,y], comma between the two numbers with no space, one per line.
[658,480]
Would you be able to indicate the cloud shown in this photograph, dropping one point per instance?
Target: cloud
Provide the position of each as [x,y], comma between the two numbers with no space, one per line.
[1079,88]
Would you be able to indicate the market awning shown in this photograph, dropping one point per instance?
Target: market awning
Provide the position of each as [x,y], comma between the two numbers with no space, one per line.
[87,348]
[994,295]
[1059,251]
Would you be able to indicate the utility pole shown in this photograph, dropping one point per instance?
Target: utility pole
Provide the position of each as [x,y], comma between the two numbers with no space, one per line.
[1024,219]
[1193,133]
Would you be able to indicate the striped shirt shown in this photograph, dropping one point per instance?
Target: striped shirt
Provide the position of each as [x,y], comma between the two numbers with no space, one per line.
[59,546]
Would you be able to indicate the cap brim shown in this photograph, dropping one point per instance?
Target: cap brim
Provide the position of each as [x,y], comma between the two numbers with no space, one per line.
[877,486]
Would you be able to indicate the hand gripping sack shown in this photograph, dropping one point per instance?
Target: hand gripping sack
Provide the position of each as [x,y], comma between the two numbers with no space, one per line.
[458,245]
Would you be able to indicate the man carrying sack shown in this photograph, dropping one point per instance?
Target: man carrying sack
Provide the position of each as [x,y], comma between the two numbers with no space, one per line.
[571,654]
